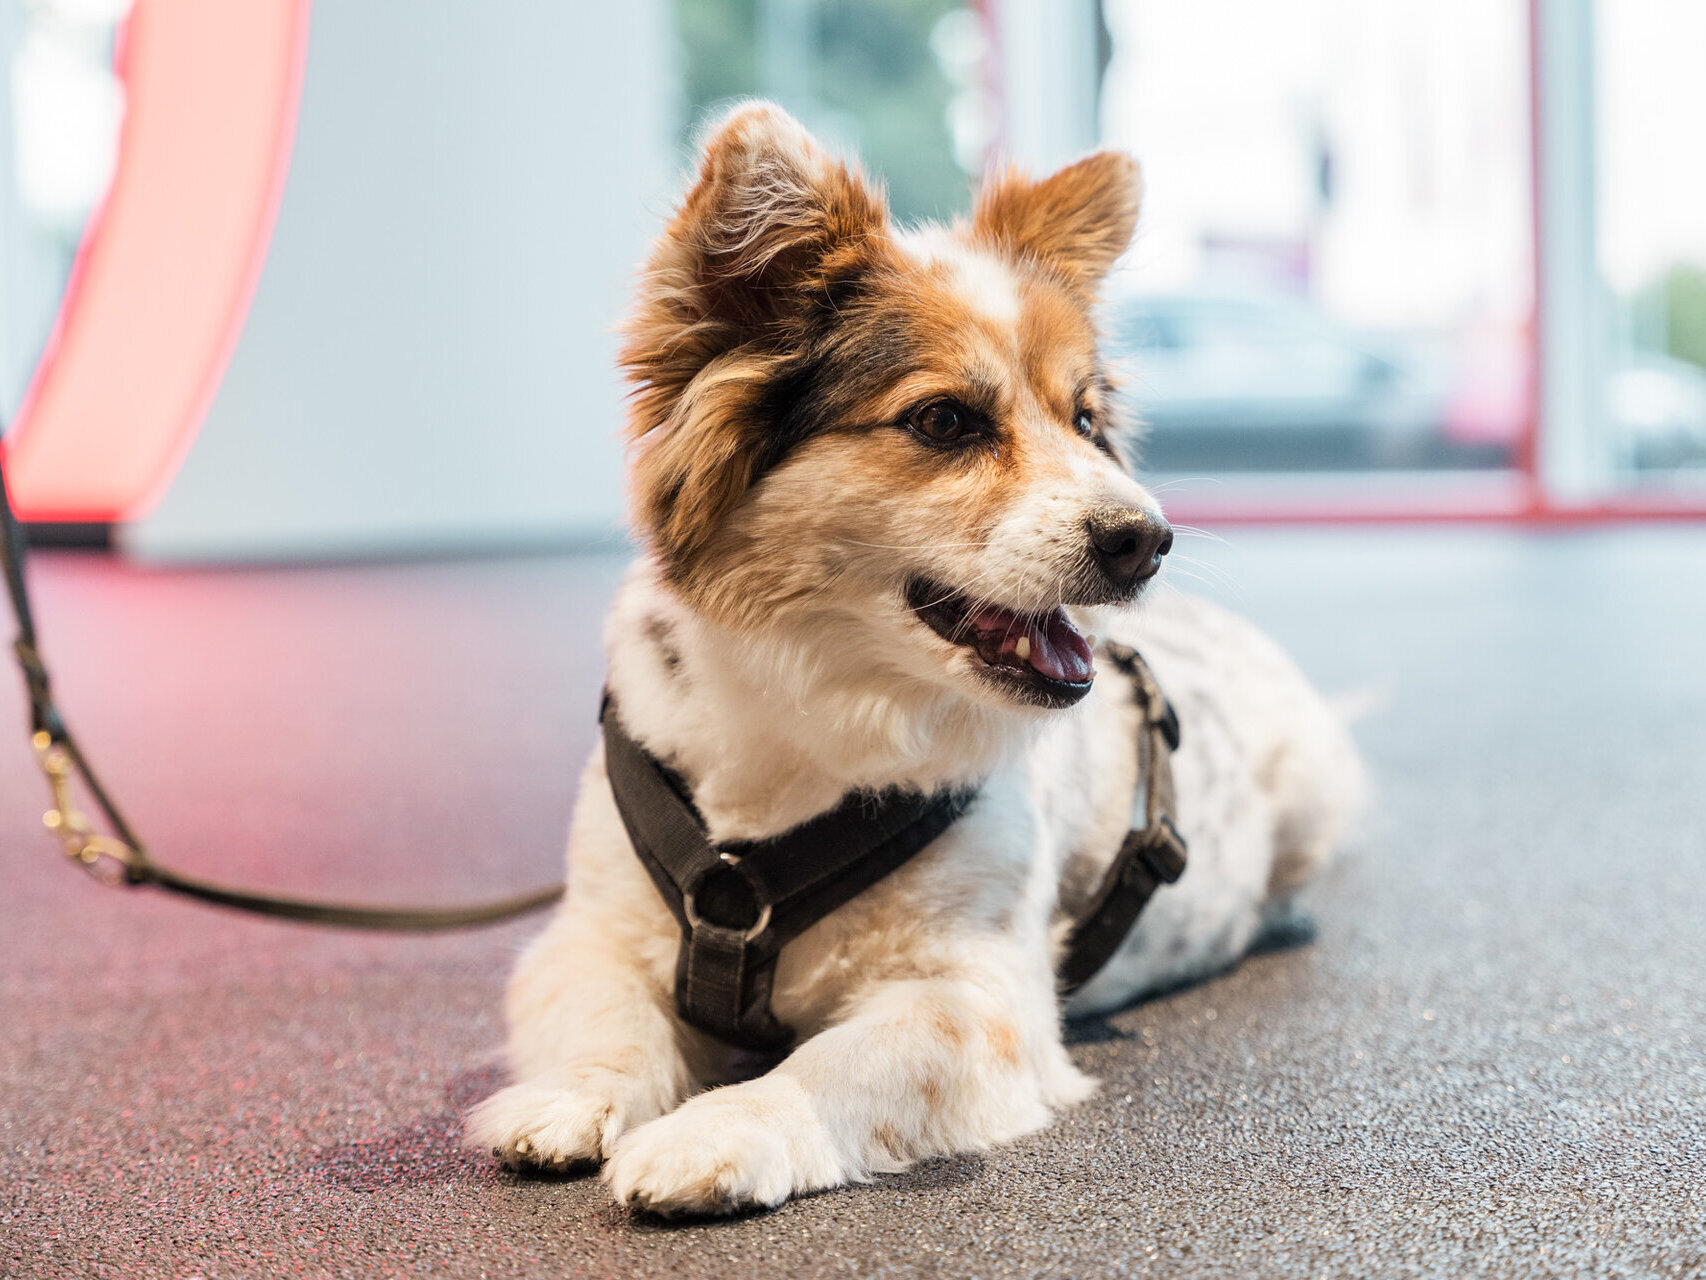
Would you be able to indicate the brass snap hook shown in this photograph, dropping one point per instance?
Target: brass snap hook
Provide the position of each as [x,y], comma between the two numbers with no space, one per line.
[107,859]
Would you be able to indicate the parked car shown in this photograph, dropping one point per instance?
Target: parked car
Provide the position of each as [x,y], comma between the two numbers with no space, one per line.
[1267,382]
[1259,381]
[1657,407]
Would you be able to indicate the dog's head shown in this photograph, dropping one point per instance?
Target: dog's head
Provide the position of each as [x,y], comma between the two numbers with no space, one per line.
[897,443]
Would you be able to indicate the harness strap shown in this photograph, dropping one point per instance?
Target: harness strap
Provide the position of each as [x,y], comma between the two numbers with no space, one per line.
[738,903]
[1151,855]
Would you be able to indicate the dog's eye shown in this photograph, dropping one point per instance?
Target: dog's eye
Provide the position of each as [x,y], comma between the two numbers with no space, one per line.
[1085,424]
[941,421]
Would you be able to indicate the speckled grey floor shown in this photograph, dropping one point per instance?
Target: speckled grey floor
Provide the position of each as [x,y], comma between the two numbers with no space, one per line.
[1492,1062]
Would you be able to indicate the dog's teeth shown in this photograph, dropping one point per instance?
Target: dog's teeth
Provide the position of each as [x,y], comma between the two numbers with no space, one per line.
[1023,648]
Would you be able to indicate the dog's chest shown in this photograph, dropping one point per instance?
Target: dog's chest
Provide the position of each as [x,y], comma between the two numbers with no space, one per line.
[984,888]
[984,895]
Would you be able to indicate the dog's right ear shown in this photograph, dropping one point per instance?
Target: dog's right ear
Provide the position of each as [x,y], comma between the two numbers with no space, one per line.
[1076,222]
[769,228]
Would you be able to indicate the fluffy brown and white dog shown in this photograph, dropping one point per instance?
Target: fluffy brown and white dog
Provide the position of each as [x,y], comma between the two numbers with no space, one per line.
[878,480]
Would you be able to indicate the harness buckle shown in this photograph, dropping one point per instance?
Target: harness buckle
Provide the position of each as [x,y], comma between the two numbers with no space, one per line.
[107,859]
[725,874]
[1163,850]
[1168,723]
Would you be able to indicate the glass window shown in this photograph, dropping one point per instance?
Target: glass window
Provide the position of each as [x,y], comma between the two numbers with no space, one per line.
[1652,236]
[1334,267]
[897,82]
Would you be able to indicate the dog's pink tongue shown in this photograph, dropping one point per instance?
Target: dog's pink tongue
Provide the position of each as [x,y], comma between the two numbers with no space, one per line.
[1057,650]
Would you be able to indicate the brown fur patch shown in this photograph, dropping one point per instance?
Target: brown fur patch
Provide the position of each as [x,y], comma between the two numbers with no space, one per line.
[942,1024]
[888,1138]
[1003,1039]
[662,636]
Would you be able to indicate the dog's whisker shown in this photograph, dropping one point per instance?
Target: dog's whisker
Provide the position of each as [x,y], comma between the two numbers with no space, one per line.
[1222,584]
[1191,530]
[1211,572]
[1179,482]
[1207,566]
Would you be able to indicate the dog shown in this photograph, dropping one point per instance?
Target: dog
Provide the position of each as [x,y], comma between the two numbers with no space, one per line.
[879,480]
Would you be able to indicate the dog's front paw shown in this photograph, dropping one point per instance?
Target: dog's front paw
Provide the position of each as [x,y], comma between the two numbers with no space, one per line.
[748,1146]
[539,1125]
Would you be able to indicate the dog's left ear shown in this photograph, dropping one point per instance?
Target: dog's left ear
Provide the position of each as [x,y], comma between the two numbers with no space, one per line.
[1076,222]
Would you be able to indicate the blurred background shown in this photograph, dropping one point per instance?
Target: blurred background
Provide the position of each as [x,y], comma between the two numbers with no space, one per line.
[306,307]
[282,280]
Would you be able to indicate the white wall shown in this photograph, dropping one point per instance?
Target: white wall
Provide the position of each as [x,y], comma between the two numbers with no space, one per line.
[428,362]
[1047,69]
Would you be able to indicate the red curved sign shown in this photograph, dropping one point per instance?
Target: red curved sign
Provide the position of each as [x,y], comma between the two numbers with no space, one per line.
[169,262]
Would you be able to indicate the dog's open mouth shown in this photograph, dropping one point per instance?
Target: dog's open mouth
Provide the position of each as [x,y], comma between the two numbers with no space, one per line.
[1040,658]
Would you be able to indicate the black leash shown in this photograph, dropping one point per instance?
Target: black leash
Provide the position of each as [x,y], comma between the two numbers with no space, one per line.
[121,858]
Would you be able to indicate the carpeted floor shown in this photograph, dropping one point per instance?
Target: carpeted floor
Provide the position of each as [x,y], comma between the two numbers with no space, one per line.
[1492,1062]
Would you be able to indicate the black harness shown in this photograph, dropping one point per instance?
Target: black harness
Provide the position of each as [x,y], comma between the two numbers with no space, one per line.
[738,904]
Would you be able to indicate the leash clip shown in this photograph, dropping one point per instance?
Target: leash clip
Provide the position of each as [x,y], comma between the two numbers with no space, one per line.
[109,860]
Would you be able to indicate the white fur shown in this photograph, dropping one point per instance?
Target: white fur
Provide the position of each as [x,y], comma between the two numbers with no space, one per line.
[983,280]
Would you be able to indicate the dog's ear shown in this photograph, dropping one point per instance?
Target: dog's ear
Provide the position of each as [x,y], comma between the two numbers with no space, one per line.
[768,218]
[1075,222]
[770,228]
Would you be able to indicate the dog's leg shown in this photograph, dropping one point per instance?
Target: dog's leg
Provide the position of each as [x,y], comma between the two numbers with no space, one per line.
[921,1068]
[593,1049]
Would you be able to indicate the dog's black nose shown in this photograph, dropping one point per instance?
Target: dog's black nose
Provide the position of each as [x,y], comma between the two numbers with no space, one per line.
[1129,544]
